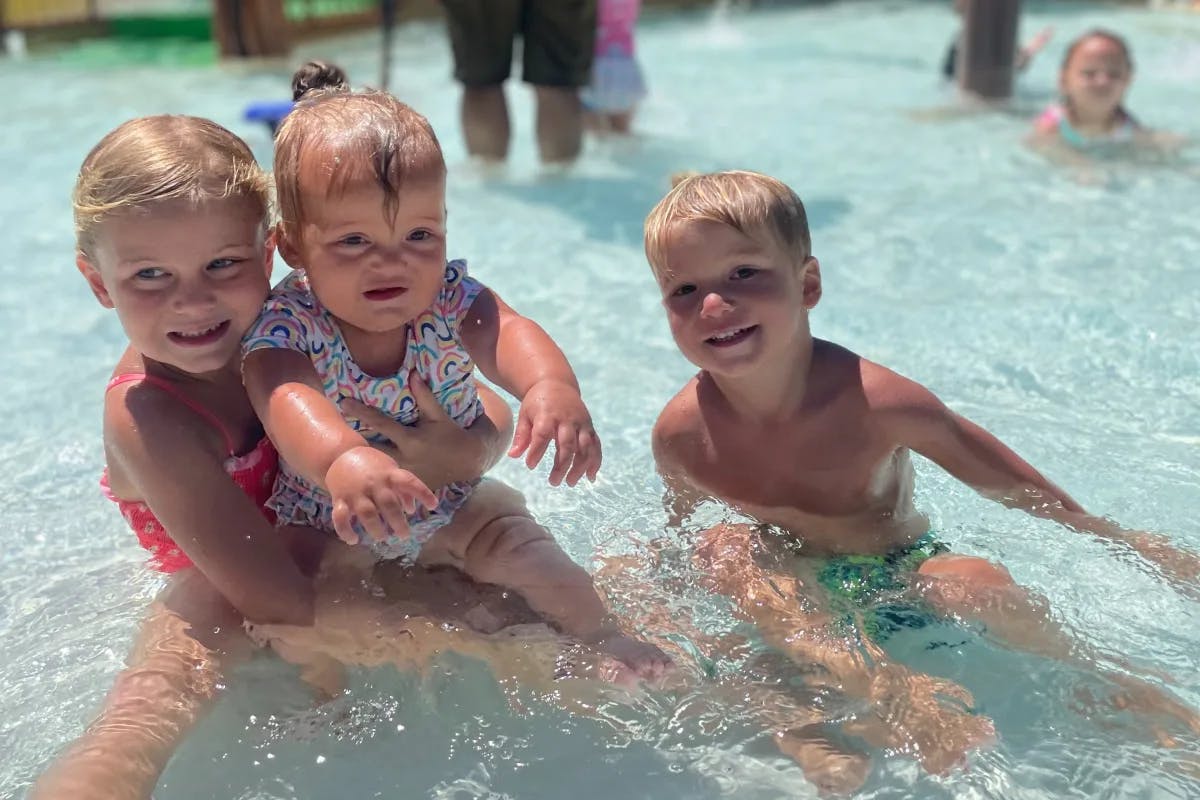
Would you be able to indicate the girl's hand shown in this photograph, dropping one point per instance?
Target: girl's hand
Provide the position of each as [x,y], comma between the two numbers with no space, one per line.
[368,487]
[553,410]
[436,448]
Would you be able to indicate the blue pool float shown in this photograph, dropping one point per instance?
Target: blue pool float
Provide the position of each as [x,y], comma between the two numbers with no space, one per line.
[268,112]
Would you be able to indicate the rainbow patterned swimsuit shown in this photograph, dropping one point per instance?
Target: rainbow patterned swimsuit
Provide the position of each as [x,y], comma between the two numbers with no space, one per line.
[294,319]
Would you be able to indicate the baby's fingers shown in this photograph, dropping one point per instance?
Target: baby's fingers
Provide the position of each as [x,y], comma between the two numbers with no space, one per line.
[367,516]
[392,508]
[565,446]
[343,522]
[542,433]
[411,491]
[587,458]
[521,437]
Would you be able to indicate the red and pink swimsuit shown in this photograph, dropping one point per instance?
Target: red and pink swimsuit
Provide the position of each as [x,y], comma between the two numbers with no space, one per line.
[254,472]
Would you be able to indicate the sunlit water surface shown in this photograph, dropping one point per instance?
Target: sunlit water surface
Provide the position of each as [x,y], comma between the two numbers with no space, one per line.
[1060,313]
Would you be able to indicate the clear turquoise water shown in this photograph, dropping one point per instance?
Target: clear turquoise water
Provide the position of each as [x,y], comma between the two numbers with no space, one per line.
[1061,316]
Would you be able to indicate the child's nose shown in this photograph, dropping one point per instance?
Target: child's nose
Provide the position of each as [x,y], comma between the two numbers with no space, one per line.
[714,305]
[196,294]
[386,257]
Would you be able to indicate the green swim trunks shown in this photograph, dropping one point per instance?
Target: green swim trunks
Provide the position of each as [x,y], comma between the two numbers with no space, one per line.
[864,585]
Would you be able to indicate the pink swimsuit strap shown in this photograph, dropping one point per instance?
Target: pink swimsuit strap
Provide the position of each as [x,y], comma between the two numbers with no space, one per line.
[173,390]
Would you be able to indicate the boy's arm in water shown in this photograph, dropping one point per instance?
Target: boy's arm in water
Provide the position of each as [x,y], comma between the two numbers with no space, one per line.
[516,354]
[158,446]
[915,418]
[436,449]
[311,435]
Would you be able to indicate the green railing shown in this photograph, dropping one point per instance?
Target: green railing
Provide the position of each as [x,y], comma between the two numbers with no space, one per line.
[314,9]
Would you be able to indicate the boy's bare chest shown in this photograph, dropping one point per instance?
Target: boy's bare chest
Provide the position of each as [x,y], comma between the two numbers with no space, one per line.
[826,469]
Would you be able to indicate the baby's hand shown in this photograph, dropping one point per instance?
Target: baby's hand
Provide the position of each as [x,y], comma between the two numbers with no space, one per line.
[553,410]
[367,486]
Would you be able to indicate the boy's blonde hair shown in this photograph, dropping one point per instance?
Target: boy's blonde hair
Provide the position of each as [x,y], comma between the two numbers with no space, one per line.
[364,135]
[754,204]
[150,160]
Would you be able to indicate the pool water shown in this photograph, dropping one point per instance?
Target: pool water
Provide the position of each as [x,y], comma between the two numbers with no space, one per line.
[1060,312]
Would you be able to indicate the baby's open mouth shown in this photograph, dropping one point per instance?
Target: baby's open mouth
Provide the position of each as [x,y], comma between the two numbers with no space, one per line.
[385,293]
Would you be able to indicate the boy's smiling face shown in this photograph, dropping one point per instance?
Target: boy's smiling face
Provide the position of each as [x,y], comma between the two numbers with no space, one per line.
[733,300]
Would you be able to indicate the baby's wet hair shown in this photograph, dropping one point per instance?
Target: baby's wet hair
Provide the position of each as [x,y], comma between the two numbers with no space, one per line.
[314,76]
[358,135]
[754,204]
[152,160]
[1098,33]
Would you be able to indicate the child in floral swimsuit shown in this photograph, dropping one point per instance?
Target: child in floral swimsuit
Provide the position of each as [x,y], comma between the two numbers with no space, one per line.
[362,184]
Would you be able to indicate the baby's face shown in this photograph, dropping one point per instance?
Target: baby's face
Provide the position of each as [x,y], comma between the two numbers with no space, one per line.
[373,270]
[1097,76]
[733,300]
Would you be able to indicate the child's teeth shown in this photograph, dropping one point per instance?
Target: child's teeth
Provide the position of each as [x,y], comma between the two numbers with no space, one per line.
[204,332]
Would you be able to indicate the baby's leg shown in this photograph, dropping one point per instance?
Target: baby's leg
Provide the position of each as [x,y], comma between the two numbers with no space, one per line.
[190,640]
[976,589]
[493,539]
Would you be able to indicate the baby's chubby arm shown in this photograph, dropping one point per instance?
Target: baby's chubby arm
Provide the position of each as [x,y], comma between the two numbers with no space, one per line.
[915,418]
[311,435]
[515,353]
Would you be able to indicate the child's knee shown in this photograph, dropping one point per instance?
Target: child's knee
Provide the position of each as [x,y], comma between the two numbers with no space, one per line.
[968,569]
[507,543]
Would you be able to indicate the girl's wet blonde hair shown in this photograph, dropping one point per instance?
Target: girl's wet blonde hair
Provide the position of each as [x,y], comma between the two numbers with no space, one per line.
[150,160]
[364,135]
[754,204]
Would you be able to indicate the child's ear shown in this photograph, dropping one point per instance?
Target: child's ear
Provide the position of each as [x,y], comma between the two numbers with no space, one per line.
[269,251]
[287,248]
[811,281]
[92,275]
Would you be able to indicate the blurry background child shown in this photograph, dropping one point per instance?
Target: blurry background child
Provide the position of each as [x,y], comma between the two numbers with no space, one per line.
[617,85]
[1095,75]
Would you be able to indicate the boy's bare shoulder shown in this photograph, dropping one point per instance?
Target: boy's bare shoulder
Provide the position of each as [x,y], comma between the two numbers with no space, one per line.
[839,372]
[897,403]
[679,435]
[846,373]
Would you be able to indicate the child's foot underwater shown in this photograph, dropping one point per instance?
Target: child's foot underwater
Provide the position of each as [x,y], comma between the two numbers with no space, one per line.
[831,767]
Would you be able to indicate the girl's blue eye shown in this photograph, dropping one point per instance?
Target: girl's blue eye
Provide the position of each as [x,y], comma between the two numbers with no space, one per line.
[149,273]
[420,236]
[353,240]
[742,273]
[686,289]
[222,263]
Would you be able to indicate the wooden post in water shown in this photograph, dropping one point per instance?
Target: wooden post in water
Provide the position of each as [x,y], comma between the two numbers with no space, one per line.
[988,49]
[251,28]
[387,16]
